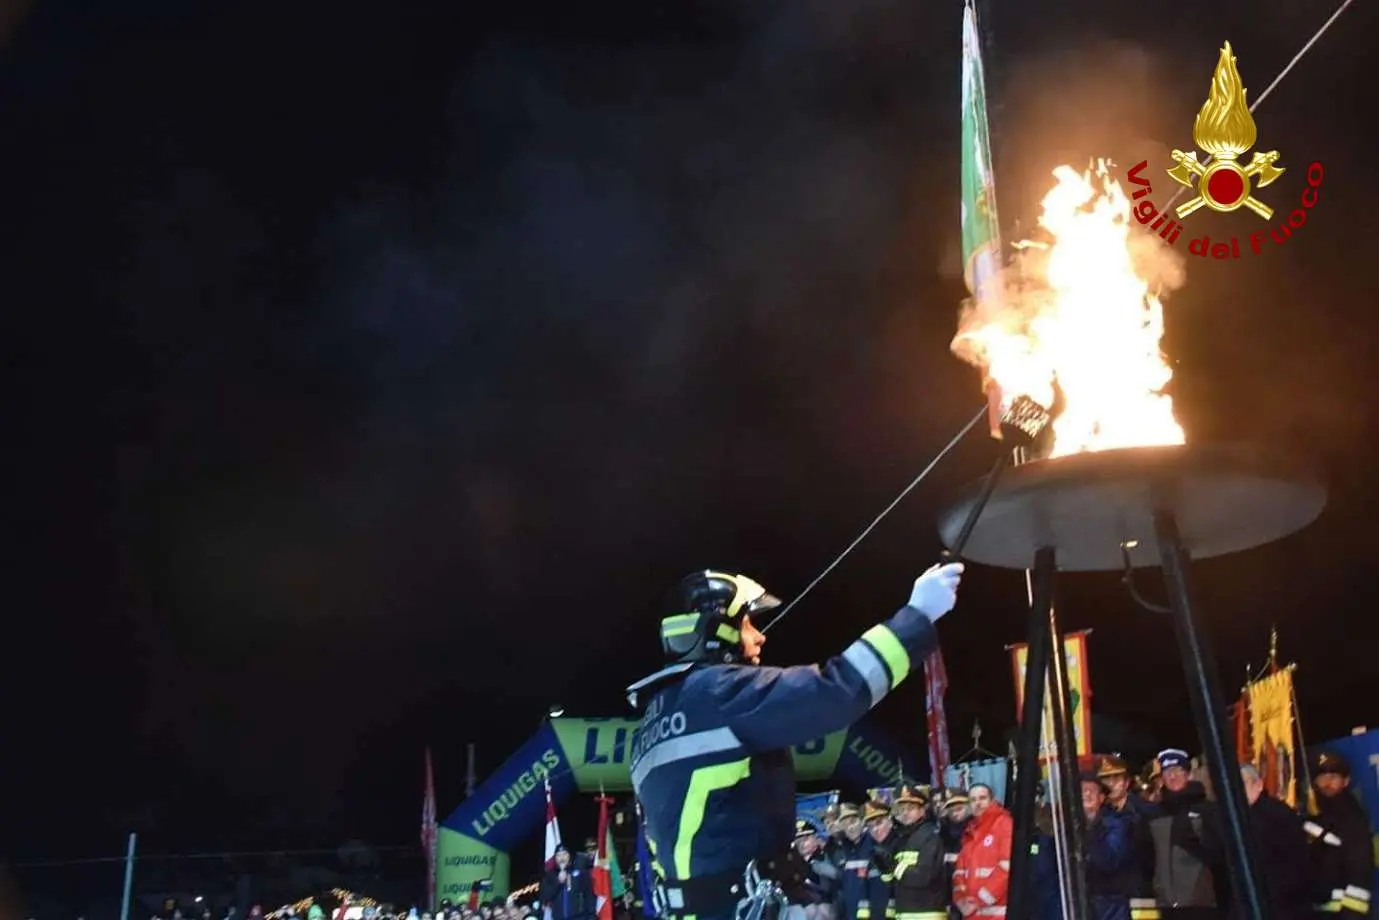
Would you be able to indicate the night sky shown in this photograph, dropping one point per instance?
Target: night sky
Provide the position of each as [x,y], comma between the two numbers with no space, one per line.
[373,369]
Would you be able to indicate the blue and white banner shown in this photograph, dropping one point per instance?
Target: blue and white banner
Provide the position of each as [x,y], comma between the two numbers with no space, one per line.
[811,808]
[993,773]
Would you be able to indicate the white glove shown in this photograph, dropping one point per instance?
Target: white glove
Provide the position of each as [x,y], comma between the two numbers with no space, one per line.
[936,591]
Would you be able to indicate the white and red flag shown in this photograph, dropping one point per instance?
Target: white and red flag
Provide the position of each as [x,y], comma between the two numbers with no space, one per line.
[936,687]
[603,878]
[552,827]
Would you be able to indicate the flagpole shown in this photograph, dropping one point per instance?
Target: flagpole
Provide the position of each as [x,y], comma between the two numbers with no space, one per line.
[469,770]
[128,878]
[1305,796]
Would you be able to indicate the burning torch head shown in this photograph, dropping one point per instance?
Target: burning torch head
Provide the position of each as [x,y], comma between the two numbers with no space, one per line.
[1025,423]
[1022,421]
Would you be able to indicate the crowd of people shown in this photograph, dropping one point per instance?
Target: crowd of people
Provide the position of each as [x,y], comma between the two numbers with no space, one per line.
[1152,843]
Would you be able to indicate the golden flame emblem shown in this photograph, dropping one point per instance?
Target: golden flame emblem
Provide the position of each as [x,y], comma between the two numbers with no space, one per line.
[1224,129]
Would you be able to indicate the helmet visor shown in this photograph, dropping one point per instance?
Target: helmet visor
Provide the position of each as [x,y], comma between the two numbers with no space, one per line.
[762,604]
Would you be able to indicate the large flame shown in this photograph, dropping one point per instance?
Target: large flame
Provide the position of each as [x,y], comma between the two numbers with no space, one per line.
[1080,312]
[1224,127]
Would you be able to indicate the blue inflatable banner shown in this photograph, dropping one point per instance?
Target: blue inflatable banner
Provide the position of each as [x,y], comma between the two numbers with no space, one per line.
[871,761]
[1362,753]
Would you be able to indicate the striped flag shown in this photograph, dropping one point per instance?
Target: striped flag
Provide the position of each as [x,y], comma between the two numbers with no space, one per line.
[603,883]
[429,831]
[552,828]
[552,837]
[936,687]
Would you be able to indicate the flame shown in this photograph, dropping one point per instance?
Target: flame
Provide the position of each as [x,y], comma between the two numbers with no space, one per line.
[1224,127]
[1078,309]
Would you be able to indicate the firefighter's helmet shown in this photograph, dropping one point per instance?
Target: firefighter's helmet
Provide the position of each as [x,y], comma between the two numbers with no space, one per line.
[704,613]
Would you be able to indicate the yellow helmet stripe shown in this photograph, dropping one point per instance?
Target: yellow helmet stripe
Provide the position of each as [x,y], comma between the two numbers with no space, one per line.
[747,591]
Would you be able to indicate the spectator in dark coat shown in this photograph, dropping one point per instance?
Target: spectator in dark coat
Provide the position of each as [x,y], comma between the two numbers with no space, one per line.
[1282,847]
[1111,856]
[1189,859]
[568,889]
[1122,797]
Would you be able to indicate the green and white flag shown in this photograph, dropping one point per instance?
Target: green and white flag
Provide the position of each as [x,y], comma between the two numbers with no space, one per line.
[617,884]
[981,226]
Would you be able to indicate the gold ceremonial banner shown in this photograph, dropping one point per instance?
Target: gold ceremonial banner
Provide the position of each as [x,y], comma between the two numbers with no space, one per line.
[1079,683]
[1271,726]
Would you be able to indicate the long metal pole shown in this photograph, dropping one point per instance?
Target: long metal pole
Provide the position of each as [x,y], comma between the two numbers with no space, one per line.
[1020,898]
[1204,689]
[469,776]
[128,878]
[1070,786]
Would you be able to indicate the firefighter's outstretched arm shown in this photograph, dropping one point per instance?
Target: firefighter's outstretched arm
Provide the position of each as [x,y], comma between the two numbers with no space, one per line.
[769,708]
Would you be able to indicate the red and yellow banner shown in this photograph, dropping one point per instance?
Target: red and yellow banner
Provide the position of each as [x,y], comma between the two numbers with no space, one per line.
[1079,683]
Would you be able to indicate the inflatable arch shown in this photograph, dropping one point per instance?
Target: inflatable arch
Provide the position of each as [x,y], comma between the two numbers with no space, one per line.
[586,754]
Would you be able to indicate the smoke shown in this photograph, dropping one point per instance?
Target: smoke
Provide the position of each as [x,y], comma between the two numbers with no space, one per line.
[1024,293]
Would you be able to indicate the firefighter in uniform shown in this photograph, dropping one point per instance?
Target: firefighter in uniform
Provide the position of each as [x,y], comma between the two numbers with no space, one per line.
[921,877]
[878,903]
[711,759]
[953,818]
[853,858]
[1341,841]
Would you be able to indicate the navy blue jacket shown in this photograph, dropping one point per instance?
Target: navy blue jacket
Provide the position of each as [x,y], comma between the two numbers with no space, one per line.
[855,861]
[1110,850]
[864,893]
[711,759]
[1111,854]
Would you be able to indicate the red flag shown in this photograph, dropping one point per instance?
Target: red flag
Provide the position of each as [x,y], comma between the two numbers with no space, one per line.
[603,881]
[1240,712]
[552,827]
[429,831]
[936,686]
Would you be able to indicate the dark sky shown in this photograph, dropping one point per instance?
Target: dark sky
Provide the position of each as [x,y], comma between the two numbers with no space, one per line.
[374,368]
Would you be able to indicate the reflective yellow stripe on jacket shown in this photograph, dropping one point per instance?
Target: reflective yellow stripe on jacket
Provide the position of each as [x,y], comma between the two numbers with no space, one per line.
[703,782]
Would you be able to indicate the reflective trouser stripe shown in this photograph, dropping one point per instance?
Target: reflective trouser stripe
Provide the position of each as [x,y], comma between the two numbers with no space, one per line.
[1330,907]
[921,915]
[1355,898]
[703,782]
[1144,909]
